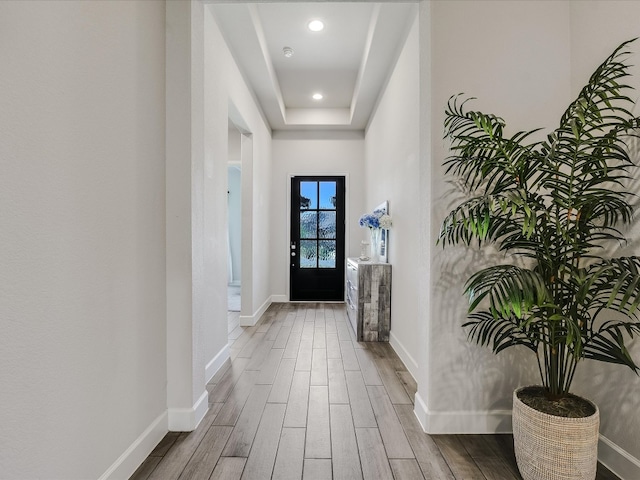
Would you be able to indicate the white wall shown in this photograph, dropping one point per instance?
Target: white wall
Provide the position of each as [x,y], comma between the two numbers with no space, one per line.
[233,145]
[82,243]
[184,120]
[234,202]
[423,330]
[392,172]
[527,75]
[212,201]
[235,221]
[523,77]
[224,87]
[597,28]
[313,153]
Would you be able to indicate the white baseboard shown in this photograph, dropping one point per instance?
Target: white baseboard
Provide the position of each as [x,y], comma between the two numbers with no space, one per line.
[216,363]
[187,419]
[233,324]
[618,460]
[420,411]
[279,298]
[404,355]
[251,320]
[247,320]
[200,409]
[138,451]
[476,422]
[490,421]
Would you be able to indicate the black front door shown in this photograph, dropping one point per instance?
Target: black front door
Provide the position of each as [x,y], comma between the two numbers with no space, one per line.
[317,239]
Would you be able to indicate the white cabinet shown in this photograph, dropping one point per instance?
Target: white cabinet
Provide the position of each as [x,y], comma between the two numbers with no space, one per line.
[369,299]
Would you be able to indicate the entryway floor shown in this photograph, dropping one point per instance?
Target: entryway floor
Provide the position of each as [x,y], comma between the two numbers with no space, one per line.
[300,398]
[233,298]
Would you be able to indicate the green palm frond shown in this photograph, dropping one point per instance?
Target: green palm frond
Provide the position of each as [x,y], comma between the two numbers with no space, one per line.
[482,156]
[509,218]
[471,219]
[608,344]
[613,284]
[510,290]
[500,333]
[559,203]
[599,102]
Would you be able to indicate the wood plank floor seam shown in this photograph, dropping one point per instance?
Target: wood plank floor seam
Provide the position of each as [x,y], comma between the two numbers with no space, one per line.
[301,399]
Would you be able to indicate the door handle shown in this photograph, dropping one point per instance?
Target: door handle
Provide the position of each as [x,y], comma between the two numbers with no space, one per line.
[293,247]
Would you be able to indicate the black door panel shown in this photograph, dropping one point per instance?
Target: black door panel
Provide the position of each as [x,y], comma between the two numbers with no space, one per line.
[317,239]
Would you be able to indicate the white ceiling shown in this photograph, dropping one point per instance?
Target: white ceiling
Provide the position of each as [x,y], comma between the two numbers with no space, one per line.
[348,62]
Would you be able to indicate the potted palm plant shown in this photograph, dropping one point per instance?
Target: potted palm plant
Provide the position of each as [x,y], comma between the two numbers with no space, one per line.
[554,207]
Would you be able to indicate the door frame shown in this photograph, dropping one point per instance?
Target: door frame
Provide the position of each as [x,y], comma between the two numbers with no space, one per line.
[246,211]
[347,223]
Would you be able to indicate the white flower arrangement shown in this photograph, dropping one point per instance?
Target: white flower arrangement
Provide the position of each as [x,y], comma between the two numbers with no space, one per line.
[377,219]
[385,221]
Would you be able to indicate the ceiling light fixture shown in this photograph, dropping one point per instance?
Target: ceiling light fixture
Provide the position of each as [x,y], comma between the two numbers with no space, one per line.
[315,25]
[317,96]
[288,52]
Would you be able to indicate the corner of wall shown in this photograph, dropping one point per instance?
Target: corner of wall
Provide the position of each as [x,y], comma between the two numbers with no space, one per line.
[404,355]
[618,460]
[188,419]
[615,458]
[251,320]
[216,363]
[139,450]
[420,411]
[465,422]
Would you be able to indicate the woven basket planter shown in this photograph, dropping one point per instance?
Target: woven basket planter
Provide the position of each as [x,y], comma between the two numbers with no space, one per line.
[554,448]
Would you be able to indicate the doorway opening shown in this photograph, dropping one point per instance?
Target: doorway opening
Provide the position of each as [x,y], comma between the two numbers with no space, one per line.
[234,227]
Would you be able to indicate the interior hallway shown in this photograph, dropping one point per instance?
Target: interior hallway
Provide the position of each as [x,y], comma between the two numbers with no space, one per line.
[300,398]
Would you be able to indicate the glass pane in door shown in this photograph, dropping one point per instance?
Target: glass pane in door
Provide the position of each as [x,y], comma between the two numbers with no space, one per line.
[327,254]
[328,195]
[308,253]
[327,225]
[308,195]
[309,224]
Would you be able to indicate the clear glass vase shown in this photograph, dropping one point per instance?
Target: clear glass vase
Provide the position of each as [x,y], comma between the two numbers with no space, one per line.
[375,244]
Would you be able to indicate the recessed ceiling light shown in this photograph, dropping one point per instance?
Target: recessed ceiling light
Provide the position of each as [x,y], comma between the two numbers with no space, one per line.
[315,25]
[317,96]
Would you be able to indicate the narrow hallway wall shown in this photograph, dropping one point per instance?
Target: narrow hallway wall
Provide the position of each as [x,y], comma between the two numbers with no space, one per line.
[224,86]
[82,257]
[524,78]
[596,29]
[234,223]
[392,172]
[528,76]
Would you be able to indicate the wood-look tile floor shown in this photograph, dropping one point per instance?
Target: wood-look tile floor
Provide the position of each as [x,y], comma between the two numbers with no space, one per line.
[301,399]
